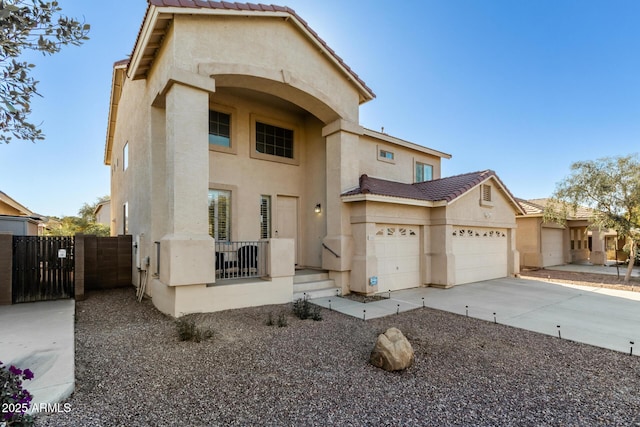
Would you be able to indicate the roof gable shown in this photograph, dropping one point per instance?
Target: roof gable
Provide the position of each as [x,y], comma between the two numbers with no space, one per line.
[160,14]
[443,190]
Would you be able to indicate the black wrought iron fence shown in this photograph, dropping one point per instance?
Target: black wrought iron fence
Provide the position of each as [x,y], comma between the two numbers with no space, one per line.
[236,260]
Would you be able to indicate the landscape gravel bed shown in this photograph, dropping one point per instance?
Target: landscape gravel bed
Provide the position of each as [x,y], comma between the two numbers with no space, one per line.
[132,370]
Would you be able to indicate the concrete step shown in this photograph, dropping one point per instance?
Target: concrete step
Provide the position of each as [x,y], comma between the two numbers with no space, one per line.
[312,286]
[313,277]
[317,293]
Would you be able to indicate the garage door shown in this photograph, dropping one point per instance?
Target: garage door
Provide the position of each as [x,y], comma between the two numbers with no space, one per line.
[552,247]
[481,253]
[398,252]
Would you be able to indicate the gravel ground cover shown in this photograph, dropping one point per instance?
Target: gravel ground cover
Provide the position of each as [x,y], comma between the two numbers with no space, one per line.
[131,370]
[587,279]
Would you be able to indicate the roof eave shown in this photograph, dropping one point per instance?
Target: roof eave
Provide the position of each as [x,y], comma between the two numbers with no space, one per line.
[114,101]
[369,197]
[406,144]
[149,27]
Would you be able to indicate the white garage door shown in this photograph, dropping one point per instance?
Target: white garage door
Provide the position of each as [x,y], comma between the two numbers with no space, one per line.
[552,247]
[481,253]
[398,252]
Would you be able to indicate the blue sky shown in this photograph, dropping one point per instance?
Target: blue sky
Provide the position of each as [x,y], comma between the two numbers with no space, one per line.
[521,87]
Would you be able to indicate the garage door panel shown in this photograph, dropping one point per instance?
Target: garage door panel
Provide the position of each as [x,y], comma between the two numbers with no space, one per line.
[398,253]
[552,246]
[481,254]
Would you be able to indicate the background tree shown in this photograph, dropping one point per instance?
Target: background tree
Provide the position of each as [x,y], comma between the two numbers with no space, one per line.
[28,25]
[84,223]
[610,187]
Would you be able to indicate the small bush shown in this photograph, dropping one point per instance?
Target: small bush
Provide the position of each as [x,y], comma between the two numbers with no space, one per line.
[282,320]
[303,309]
[270,321]
[188,331]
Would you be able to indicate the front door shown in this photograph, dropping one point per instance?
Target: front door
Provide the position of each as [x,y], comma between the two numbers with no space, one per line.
[287,221]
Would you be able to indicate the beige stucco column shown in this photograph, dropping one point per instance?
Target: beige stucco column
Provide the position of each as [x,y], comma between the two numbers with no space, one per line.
[187,251]
[342,139]
[443,260]
[598,250]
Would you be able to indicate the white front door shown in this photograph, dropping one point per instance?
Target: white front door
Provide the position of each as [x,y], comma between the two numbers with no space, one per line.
[287,221]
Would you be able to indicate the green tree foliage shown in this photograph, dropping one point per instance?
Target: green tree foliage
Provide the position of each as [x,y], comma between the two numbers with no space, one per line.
[28,25]
[610,187]
[84,223]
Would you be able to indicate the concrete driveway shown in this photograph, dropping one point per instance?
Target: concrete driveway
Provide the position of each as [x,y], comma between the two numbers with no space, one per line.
[598,316]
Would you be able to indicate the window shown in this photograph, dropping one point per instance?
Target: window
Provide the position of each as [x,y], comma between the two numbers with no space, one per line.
[265,217]
[125,156]
[220,215]
[424,172]
[219,129]
[274,140]
[385,155]
[125,218]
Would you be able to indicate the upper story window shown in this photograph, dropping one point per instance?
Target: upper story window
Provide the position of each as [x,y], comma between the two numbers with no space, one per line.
[219,128]
[386,155]
[125,156]
[424,172]
[274,140]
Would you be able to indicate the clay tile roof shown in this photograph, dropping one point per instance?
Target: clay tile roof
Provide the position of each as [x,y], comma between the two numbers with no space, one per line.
[444,189]
[225,5]
[537,206]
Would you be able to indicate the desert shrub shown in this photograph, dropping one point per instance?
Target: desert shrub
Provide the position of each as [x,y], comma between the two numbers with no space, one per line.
[189,331]
[303,310]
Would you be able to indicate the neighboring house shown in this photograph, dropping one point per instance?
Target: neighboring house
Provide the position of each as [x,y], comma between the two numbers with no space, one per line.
[103,213]
[236,151]
[17,219]
[543,244]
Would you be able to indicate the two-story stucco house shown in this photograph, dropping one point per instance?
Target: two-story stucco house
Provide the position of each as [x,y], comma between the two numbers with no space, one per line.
[238,163]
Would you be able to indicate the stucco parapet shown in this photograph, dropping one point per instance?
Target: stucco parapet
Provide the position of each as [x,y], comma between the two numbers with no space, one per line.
[184,77]
[342,126]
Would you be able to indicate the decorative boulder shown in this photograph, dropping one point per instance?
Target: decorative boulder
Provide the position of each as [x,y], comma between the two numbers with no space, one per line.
[392,352]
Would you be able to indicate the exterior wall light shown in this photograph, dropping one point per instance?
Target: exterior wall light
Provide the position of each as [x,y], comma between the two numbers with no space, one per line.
[318,208]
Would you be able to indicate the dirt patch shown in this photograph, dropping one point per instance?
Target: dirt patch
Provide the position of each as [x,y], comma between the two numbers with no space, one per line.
[364,298]
[586,279]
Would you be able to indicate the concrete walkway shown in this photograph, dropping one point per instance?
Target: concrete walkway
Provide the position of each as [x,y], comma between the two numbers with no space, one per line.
[597,316]
[39,336]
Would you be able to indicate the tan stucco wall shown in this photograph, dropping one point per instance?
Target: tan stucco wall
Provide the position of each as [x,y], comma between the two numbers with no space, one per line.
[268,49]
[528,241]
[400,169]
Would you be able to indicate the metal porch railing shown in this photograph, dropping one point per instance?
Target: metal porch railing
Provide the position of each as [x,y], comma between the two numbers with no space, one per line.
[235,260]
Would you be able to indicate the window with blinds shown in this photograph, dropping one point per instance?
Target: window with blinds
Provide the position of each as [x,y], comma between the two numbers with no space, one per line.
[220,215]
[265,217]
[219,128]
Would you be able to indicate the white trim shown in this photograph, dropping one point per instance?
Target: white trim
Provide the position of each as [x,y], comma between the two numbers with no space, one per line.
[403,143]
